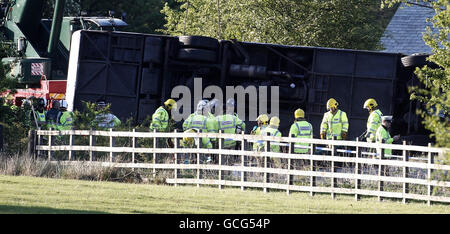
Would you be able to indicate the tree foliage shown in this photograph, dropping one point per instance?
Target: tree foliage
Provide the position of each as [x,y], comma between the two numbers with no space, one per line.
[353,24]
[435,93]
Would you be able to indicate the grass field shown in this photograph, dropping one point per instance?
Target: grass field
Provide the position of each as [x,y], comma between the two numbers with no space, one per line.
[25,195]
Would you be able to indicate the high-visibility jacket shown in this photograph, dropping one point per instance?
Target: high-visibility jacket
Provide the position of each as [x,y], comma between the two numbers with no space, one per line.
[334,125]
[373,122]
[383,136]
[228,124]
[212,125]
[52,118]
[65,121]
[198,121]
[301,129]
[257,132]
[107,120]
[270,131]
[40,118]
[160,120]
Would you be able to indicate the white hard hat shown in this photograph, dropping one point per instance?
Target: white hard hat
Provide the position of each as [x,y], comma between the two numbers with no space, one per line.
[386,118]
[201,104]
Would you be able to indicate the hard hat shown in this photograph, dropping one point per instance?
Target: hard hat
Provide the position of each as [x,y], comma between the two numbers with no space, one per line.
[332,103]
[201,104]
[275,121]
[370,104]
[263,118]
[189,140]
[56,104]
[42,102]
[299,113]
[63,104]
[386,118]
[101,103]
[170,103]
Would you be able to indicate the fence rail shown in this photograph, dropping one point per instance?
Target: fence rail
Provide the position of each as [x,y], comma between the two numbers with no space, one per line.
[334,167]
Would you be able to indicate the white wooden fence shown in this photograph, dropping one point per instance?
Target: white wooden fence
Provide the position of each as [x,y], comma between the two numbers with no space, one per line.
[323,163]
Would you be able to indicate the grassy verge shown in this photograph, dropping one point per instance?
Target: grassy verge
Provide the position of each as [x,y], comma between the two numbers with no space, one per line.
[22,194]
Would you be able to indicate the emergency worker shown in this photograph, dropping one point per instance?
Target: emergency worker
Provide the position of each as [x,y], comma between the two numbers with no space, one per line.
[66,119]
[52,116]
[374,120]
[383,136]
[334,123]
[301,129]
[230,123]
[262,122]
[211,122]
[105,119]
[271,130]
[39,113]
[198,120]
[162,115]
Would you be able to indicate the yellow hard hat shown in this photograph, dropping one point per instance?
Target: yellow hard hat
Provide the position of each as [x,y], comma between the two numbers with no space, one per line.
[275,121]
[263,118]
[299,113]
[332,103]
[170,103]
[189,140]
[370,104]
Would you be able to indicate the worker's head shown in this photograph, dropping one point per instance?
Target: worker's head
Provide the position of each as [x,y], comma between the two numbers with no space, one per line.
[332,104]
[63,105]
[170,104]
[230,106]
[386,121]
[274,122]
[201,106]
[213,107]
[370,104]
[299,114]
[41,103]
[262,120]
[55,104]
[100,104]
[26,103]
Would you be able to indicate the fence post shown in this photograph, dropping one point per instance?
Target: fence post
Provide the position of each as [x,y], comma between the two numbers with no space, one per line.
[111,145]
[405,174]
[430,171]
[312,182]
[133,145]
[357,171]
[380,174]
[243,164]
[154,153]
[49,145]
[220,159]
[175,174]
[266,177]
[198,162]
[70,144]
[91,143]
[333,170]
[38,142]
[288,176]
[32,143]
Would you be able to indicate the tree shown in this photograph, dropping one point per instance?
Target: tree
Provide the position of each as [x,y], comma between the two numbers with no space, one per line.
[435,95]
[353,24]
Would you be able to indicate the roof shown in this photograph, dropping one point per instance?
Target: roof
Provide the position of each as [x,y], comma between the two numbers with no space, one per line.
[405,31]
